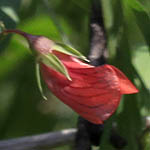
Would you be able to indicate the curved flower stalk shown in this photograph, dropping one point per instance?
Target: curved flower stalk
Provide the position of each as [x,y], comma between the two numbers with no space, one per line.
[92,92]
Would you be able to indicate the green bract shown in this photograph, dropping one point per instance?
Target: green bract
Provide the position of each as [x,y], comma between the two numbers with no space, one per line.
[38,77]
[52,61]
[61,47]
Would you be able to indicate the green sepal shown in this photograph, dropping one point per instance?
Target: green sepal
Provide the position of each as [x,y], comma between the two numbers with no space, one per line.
[38,78]
[61,47]
[52,61]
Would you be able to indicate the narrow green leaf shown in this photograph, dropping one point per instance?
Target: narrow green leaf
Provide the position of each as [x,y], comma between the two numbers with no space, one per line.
[69,50]
[9,11]
[136,5]
[38,77]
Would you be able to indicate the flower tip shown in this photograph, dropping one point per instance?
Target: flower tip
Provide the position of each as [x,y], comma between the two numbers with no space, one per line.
[135,90]
[126,86]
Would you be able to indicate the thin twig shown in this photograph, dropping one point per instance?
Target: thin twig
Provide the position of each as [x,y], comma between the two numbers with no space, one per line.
[40,142]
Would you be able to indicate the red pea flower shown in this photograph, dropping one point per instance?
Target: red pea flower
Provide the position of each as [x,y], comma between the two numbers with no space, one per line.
[92,92]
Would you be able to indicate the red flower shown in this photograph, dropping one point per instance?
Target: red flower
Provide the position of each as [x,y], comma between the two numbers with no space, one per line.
[93,92]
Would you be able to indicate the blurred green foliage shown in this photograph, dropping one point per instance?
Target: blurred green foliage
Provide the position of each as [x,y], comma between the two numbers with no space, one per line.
[22,110]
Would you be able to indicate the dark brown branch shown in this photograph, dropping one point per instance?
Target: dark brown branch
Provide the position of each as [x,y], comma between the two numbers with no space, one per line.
[88,133]
[40,142]
[98,51]
[98,41]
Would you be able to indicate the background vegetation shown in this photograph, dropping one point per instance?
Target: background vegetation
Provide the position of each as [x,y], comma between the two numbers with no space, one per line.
[22,110]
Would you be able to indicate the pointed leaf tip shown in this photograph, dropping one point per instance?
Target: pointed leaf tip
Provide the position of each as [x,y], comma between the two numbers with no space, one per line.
[39,81]
[63,48]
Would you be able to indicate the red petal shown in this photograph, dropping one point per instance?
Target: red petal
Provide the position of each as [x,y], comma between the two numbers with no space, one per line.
[92,86]
[126,87]
[95,114]
[94,92]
